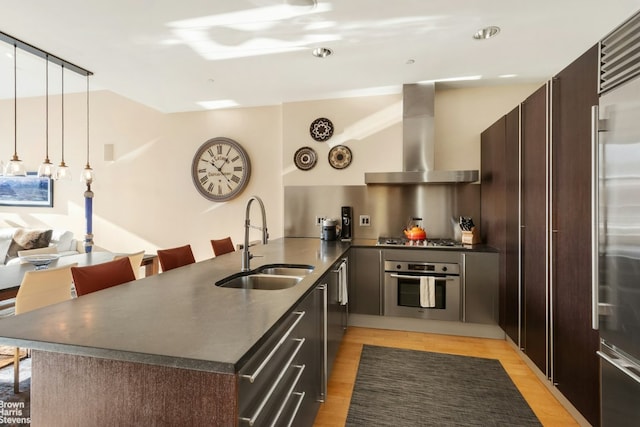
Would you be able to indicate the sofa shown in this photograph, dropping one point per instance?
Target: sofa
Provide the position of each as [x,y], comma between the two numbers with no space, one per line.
[13,239]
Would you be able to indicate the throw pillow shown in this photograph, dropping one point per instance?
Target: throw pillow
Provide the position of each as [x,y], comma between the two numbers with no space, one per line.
[28,239]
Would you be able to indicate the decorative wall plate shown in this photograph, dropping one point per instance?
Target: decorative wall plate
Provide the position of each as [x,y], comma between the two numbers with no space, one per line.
[321,129]
[305,158]
[340,157]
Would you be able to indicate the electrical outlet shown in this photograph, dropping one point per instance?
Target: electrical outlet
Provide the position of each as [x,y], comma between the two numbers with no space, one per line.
[319,220]
[365,221]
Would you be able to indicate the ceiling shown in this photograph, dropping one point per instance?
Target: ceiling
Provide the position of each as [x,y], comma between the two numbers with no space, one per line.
[189,55]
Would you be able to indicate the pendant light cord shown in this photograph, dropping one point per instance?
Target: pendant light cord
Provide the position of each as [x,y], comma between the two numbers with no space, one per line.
[46,144]
[62,74]
[88,120]
[15,102]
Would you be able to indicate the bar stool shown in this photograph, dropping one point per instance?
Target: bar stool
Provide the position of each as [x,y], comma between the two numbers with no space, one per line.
[175,257]
[222,246]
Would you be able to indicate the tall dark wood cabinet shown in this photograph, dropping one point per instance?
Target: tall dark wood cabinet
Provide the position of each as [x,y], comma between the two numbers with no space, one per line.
[500,212]
[538,191]
[492,196]
[511,306]
[575,365]
[534,185]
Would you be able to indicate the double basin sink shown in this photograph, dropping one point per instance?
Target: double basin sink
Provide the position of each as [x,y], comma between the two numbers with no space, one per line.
[268,277]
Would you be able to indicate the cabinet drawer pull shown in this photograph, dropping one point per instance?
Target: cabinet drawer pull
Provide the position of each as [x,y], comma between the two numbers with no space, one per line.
[274,350]
[289,394]
[295,411]
[275,384]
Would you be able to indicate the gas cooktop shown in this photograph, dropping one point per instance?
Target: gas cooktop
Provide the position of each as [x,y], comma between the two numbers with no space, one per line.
[430,243]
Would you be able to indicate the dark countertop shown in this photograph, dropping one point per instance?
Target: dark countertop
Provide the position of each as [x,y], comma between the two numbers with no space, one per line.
[178,318]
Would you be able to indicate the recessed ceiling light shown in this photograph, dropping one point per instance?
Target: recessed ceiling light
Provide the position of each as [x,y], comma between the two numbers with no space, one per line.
[321,52]
[486,33]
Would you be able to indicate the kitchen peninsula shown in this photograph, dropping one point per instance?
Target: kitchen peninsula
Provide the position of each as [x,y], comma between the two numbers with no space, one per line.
[163,350]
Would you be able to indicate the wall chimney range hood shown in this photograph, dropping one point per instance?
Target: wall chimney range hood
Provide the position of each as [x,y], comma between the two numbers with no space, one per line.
[418,144]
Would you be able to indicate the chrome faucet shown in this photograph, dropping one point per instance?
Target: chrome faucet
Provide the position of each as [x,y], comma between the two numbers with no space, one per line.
[246,255]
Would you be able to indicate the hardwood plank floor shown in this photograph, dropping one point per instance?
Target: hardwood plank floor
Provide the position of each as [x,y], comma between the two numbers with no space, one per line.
[334,411]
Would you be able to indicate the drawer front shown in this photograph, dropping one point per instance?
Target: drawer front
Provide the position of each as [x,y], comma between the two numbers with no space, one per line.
[269,384]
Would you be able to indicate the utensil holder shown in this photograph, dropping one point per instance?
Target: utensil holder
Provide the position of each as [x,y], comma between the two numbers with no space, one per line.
[471,237]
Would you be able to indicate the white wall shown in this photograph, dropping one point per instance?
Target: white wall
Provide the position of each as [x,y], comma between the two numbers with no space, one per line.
[145,198]
[370,126]
[462,115]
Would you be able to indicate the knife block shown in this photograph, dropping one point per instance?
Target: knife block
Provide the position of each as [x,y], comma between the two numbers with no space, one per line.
[471,237]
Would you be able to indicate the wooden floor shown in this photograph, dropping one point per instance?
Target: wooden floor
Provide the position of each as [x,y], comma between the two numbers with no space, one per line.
[334,411]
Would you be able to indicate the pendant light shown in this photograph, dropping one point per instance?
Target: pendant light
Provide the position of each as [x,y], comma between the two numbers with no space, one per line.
[88,175]
[46,168]
[63,173]
[15,167]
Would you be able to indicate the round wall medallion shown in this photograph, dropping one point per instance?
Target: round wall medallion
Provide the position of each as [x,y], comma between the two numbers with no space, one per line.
[321,129]
[305,158]
[340,157]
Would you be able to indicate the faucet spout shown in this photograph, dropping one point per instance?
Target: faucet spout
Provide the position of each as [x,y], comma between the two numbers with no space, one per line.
[246,255]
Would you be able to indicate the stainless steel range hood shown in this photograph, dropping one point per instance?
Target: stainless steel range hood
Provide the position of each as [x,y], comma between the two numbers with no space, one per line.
[418,144]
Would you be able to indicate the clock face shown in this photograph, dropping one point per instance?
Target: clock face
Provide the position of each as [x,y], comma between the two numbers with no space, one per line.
[220,169]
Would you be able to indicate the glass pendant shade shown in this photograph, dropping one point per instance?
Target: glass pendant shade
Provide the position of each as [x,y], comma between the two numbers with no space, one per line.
[46,169]
[88,175]
[63,172]
[15,167]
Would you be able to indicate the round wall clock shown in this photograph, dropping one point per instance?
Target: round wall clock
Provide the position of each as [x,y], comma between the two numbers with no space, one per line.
[340,157]
[220,169]
[321,129]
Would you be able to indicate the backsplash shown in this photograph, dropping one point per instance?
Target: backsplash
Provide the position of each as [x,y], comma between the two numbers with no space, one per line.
[390,207]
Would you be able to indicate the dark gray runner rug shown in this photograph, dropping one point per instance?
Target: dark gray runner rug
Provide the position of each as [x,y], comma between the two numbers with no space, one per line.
[397,387]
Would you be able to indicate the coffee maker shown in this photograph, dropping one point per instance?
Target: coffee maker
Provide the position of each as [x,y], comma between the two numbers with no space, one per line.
[346,229]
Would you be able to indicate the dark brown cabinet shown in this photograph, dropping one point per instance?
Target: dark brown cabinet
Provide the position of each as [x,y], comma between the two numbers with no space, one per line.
[575,366]
[534,192]
[536,195]
[500,223]
[510,304]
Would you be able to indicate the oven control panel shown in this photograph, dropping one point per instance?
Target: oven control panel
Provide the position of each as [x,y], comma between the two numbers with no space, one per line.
[422,267]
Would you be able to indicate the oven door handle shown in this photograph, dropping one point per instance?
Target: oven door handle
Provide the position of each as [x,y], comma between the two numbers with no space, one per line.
[400,276]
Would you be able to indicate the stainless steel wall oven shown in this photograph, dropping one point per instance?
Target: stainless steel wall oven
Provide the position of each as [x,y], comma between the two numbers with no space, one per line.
[423,290]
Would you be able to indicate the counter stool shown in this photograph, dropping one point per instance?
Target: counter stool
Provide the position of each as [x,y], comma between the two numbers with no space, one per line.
[175,257]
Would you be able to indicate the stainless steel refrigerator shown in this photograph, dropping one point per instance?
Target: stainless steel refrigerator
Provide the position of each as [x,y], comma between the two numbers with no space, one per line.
[616,288]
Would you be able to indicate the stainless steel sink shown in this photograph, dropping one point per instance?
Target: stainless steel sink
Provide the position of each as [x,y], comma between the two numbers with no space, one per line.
[268,277]
[260,281]
[286,269]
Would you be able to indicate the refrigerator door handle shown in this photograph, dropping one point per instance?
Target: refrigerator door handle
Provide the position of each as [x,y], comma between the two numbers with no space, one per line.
[595,220]
[621,365]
